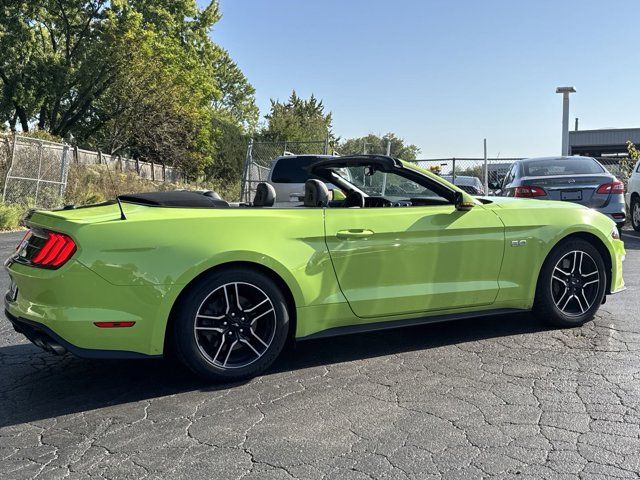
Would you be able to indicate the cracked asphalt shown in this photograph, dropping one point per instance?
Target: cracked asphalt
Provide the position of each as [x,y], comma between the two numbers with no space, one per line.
[503,397]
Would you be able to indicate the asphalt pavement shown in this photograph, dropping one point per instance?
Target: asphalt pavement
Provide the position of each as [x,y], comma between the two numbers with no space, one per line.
[504,397]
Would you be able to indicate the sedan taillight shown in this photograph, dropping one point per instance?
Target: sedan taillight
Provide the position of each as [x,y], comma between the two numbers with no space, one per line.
[612,187]
[529,192]
[51,251]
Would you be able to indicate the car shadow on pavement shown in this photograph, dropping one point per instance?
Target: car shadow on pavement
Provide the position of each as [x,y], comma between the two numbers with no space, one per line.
[35,385]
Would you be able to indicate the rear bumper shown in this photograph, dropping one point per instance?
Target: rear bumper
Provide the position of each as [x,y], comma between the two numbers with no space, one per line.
[42,336]
[57,310]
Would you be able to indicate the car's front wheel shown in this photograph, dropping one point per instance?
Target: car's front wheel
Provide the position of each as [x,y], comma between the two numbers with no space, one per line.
[571,285]
[231,325]
[635,214]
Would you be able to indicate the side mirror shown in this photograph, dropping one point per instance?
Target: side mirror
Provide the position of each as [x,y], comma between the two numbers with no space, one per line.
[463,202]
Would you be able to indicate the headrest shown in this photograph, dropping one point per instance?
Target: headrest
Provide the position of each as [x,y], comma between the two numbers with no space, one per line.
[265,195]
[316,193]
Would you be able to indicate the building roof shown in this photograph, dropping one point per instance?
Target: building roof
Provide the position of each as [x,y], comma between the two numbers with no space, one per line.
[603,137]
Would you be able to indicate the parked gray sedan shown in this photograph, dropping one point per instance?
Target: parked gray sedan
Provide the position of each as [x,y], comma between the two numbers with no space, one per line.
[575,179]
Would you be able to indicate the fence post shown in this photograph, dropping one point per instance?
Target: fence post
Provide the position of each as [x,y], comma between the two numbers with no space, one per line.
[164,173]
[75,154]
[39,172]
[137,166]
[453,171]
[119,163]
[63,168]
[244,191]
[486,169]
[99,157]
[153,171]
[13,156]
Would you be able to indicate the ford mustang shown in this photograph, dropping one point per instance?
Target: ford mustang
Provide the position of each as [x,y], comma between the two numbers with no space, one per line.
[225,286]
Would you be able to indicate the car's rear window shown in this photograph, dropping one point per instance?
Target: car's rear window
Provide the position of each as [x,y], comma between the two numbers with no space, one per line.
[561,166]
[292,170]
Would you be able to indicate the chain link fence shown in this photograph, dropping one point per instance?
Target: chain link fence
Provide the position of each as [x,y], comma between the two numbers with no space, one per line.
[35,171]
[260,155]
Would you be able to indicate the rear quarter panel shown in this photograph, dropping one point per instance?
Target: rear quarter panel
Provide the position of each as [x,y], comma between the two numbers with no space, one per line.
[169,247]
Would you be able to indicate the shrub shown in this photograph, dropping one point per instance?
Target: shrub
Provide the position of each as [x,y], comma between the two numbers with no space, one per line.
[10,216]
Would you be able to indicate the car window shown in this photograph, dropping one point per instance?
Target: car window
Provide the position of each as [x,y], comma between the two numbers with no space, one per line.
[292,169]
[509,176]
[562,166]
[389,185]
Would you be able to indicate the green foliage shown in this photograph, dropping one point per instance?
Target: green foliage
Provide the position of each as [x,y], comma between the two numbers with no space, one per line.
[10,216]
[298,120]
[137,77]
[374,144]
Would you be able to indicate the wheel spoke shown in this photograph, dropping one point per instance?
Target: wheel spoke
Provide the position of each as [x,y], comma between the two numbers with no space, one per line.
[580,265]
[249,310]
[215,358]
[237,297]
[229,353]
[597,280]
[246,342]
[212,329]
[561,297]
[261,315]
[220,317]
[579,303]
[585,275]
[560,280]
[567,302]
[259,339]
[226,298]
[562,271]
[586,302]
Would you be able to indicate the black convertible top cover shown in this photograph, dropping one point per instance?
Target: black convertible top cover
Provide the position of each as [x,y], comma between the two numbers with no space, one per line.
[175,198]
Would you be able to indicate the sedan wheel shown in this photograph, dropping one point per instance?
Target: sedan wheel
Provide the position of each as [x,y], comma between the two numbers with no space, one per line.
[231,325]
[571,284]
[635,214]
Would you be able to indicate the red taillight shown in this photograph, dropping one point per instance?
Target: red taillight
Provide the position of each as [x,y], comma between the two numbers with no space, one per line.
[612,187]
[57,249]
[529,192]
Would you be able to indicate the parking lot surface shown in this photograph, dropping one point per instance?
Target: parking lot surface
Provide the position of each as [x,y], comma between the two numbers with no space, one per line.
[501,396]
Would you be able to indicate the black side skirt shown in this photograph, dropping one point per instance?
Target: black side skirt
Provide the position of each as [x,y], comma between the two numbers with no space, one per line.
[408,322]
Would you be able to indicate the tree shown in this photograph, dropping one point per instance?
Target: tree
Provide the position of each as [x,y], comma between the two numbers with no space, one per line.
[298,120]
[374,144]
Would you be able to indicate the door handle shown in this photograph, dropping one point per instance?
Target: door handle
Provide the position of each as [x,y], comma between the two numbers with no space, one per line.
[355,233]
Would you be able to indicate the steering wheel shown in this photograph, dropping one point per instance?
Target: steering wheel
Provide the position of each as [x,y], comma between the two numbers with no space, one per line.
[354,199]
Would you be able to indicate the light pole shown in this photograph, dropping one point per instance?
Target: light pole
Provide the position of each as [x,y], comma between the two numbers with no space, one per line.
[565,91]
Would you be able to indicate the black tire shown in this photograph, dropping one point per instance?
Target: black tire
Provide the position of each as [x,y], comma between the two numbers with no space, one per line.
[549,304]
[635,219]
[203,349]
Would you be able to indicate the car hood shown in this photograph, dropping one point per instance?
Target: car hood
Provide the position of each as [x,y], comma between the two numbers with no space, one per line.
[518,203]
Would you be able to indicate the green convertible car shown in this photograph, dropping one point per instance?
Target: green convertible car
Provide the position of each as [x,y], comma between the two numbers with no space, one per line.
[224,286]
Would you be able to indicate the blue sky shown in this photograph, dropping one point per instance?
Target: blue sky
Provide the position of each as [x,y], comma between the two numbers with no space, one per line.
[445,74]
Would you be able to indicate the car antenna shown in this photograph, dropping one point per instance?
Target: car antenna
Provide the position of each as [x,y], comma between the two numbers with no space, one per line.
[115,190]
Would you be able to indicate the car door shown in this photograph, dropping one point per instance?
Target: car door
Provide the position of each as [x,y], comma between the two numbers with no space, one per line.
[413,260]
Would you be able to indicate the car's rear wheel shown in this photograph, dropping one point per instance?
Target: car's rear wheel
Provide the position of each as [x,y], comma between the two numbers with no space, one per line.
[231,325]
[571,284]
[635,213]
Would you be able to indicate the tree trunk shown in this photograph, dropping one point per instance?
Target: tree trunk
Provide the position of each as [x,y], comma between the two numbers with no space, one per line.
[22,116]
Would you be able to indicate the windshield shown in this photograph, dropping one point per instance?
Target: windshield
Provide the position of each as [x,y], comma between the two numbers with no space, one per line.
[386,184]
[561,166]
